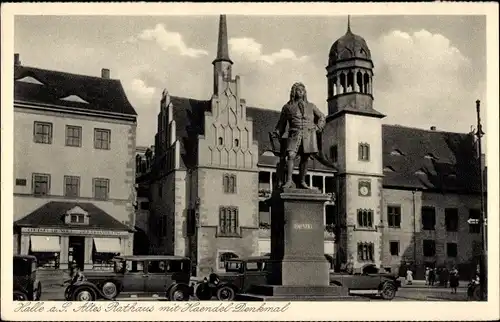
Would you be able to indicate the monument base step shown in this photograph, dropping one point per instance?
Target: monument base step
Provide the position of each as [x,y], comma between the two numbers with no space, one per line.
[295,292]
[317,298]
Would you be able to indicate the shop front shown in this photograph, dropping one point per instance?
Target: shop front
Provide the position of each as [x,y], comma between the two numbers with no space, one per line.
[90,244]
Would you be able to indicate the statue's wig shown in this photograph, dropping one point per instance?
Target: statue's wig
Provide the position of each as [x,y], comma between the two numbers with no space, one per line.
[294,90]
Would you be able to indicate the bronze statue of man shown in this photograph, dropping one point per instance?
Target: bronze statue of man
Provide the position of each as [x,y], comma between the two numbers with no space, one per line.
[304,121]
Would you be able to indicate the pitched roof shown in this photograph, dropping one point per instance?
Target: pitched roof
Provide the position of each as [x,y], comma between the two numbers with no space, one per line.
[52,214]
[432,160]
[452,168]
[101,94]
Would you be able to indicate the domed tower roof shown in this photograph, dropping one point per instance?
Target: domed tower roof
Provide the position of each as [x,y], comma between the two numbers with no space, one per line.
[349,46]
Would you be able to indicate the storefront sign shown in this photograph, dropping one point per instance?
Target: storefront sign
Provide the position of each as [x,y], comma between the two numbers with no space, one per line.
[62,231]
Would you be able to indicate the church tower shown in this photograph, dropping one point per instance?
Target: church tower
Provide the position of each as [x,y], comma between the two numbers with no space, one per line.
[227,172]
[353,135]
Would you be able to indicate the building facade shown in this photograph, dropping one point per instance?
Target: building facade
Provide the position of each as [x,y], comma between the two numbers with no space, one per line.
[213,169]
[74,167]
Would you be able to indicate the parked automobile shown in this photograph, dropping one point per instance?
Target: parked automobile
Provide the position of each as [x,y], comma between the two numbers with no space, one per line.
[369,280]
[136,275]
[27,287]
[240,274]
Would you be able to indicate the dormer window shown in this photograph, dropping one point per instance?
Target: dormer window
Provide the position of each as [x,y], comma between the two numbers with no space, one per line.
[397,152]
[74,98]
[30,80]
[76,216]
[77,219]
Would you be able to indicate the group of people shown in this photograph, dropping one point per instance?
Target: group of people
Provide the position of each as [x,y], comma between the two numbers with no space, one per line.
[443,275]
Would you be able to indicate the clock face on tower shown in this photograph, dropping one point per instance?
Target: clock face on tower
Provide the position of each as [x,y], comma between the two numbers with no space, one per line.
[364,188]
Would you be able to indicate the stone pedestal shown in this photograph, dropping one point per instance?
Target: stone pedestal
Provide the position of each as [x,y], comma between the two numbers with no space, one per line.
[298,268]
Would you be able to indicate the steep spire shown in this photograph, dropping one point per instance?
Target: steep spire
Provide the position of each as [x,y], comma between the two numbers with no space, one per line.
[348,23]
[222,47]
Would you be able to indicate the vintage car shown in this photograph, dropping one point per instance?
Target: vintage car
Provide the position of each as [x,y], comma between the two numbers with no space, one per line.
[240,274]
[27,287]
[136,276]
[369,280]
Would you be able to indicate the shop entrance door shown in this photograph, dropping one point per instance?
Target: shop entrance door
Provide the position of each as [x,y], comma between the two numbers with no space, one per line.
[76,251]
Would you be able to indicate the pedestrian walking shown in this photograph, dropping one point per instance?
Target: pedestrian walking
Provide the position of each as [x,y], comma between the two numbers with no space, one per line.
[427,272]
[432,276]
[454,279]
[409,277]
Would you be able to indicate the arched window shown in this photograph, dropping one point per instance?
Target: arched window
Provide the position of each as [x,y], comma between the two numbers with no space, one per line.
[359,82]
[236,143]
[350,82]
[366,84]
[223,257]
[221,140]
[335,90]
[343,84]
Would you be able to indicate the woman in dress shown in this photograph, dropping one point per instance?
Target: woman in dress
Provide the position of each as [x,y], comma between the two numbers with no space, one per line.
[409,276]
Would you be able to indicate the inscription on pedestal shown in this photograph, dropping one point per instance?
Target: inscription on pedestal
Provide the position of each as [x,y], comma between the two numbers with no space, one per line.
[302,226]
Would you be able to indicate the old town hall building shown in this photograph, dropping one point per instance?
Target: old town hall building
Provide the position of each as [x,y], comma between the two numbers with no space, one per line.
[402,195]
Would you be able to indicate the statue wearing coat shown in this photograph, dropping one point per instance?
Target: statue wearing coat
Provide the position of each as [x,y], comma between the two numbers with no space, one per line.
[304,121]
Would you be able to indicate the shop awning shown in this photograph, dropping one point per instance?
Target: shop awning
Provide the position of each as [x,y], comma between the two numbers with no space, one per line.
[49,244]
[107,245]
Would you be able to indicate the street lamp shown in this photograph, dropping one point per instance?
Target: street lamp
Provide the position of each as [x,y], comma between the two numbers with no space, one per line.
[483,277]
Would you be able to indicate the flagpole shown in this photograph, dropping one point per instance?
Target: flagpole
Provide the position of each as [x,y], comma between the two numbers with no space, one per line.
[483,266]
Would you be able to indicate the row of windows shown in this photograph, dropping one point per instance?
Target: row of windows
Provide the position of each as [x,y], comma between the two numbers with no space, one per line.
[42,133]
[363,152]
[428,248]
[429,218]
[41,186]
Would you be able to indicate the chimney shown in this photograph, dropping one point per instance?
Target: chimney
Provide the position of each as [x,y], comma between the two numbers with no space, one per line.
[433,128]
[17,62]
[105,73]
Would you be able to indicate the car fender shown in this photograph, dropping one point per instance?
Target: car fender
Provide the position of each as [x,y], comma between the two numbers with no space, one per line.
[184,285]
[383,283]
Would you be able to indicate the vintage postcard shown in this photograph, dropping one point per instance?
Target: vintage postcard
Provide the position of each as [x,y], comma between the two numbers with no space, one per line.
[277,161]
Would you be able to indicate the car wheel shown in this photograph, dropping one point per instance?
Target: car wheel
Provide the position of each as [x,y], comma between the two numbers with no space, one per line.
[203,292]
[225,293]
[19,296]
[110,289]
[178,293]
[388,291]
[84,294]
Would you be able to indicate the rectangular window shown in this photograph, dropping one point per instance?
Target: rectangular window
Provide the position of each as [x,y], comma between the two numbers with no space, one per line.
[77,219]
[264,215]
[228,221]
[229,183]
[73,135]
[41,184]
[428,218]
[364,152]
[429,248]
[334,154]
[71,186]
[20,182]
[42,132]
[451,219]
[394,248]
[474,225]
[451,249]
[329,185]
[394,216]
[365,251]
[101,188]
[102,139]
[365,218]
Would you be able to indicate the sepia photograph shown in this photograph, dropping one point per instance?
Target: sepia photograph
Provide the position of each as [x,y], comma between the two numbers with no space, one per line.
[247,162]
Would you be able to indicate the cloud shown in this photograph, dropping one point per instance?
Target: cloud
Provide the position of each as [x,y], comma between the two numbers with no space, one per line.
[421,80]
[248,48]
[168,40]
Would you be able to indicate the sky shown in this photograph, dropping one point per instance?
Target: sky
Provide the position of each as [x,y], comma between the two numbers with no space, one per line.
[429,70]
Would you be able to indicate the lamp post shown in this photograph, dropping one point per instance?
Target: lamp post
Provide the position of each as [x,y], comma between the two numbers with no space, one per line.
[483,263]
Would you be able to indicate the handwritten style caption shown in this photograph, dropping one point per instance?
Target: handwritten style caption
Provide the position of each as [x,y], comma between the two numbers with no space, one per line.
[138,307]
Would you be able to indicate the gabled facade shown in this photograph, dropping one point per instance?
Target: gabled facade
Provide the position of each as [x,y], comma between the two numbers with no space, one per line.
[74,165]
